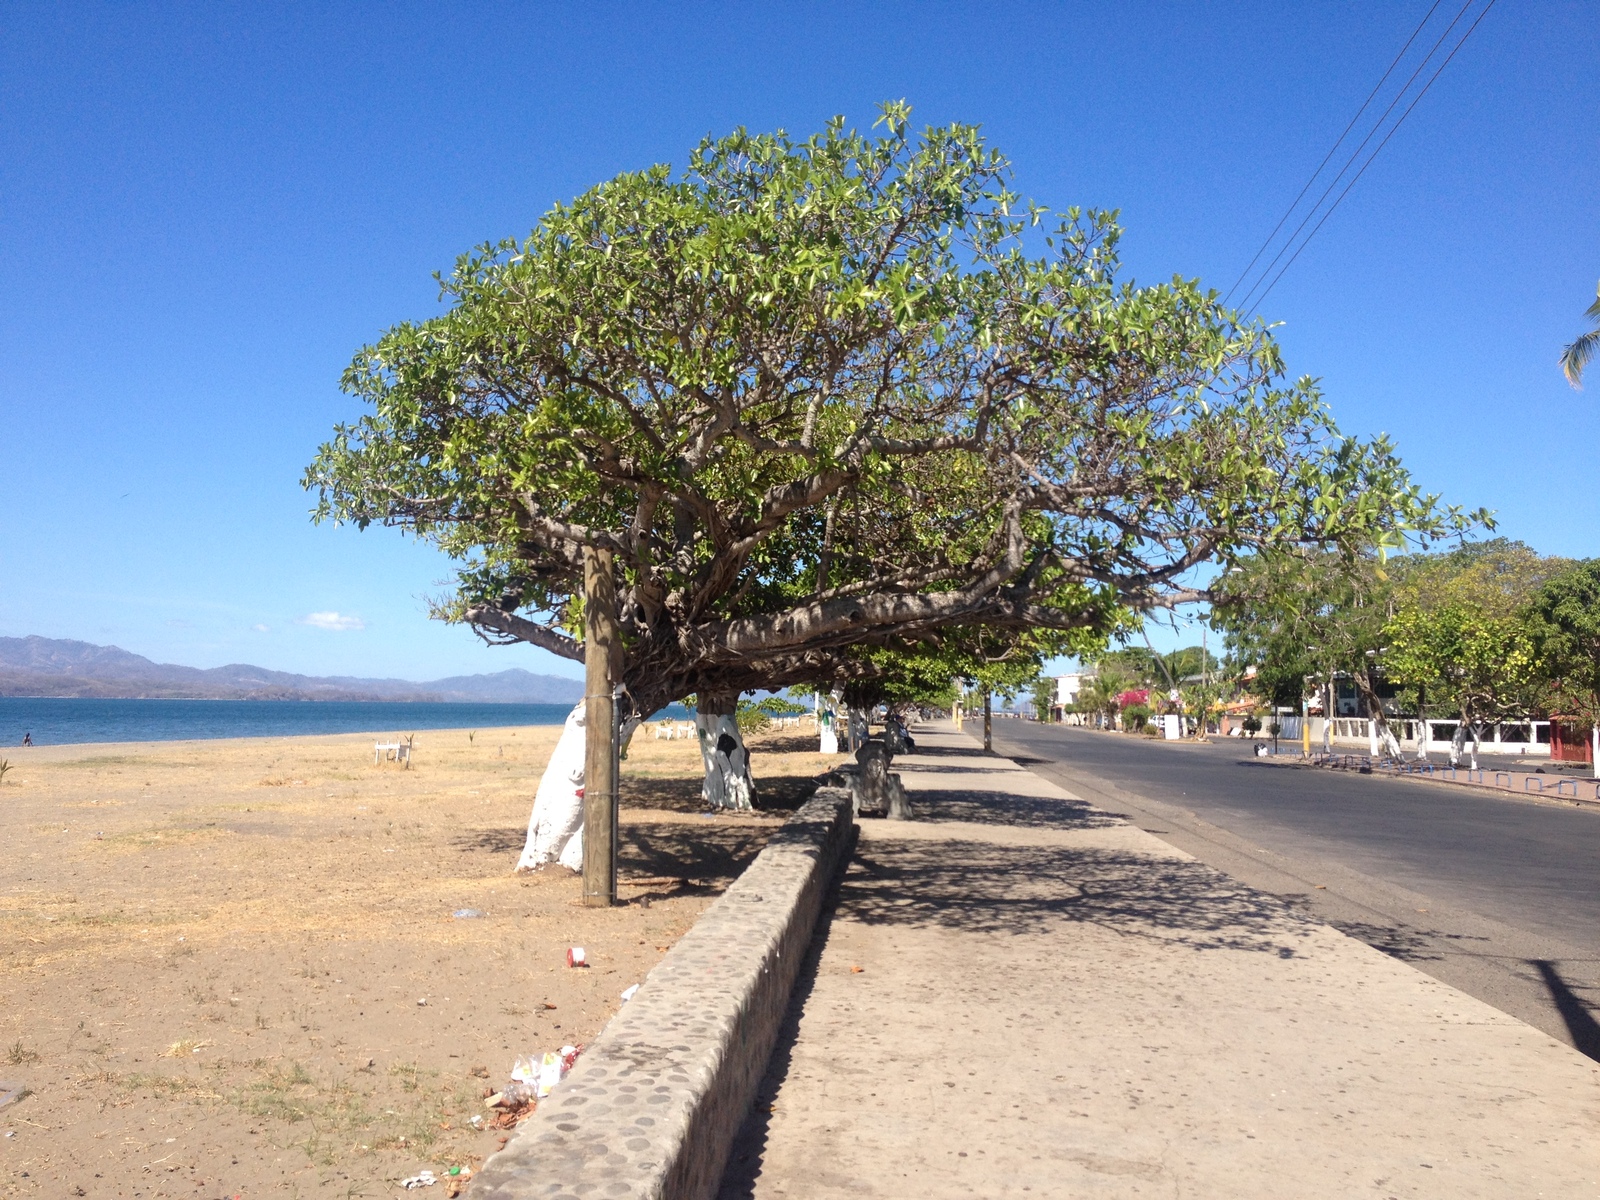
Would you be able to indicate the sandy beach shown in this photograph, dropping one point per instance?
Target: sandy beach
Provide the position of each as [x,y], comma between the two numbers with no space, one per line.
[231,968]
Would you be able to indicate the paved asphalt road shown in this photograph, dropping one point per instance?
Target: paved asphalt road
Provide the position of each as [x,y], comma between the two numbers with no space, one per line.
[1495,895]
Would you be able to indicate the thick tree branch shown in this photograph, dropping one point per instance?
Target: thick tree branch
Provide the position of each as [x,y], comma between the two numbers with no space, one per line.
[523,630]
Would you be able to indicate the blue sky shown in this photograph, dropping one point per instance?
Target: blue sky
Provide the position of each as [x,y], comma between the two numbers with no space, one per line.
[205,210]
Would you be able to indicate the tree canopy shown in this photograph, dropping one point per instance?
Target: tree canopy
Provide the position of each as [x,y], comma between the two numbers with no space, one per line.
[822,394]
[1453,631]
[1304,616]
[1565,617]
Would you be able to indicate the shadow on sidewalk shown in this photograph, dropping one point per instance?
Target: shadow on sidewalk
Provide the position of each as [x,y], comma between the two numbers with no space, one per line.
[979,807]
[986,888]
[924,750]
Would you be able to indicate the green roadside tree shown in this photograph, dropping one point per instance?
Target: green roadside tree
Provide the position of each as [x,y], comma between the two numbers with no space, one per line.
[1565,618]
[1202,701]
[1479,665]
[1099,696]
[1305,618]
[1006,674]
[1422,622]
[1042,693]
[993,662]
[1462,631]
[1139,666]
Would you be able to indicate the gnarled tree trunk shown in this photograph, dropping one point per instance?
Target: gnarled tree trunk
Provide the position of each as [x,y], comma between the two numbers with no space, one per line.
[1465,725]
[728,783]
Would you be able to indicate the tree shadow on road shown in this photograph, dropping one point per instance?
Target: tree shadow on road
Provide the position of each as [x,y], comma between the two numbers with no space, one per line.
[1407,944]
[988,888]
[1576,1012]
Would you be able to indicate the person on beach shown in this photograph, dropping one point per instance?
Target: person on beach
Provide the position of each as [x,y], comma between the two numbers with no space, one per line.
[27,738]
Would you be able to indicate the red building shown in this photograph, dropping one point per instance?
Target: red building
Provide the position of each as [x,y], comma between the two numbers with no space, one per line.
[1570,740]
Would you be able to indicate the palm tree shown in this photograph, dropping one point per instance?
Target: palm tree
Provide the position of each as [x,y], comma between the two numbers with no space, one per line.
[1102,691]
[1576,356]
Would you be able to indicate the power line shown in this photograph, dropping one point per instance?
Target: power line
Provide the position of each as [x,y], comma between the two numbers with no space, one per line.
[1288,212]
[1245,303]
[1395,129]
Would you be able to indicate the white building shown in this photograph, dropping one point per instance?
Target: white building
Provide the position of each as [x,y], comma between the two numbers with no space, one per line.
[1068,686]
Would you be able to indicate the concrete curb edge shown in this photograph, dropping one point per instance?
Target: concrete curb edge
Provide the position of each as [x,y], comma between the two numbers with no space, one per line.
[651,1109]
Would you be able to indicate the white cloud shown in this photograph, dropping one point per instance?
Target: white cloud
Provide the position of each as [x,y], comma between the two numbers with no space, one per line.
[332,620]
[261,628]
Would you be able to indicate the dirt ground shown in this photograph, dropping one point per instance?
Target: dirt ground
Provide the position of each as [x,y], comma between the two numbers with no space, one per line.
[232,969]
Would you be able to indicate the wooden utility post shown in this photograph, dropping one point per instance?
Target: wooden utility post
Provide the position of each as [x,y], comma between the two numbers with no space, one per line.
[601,650]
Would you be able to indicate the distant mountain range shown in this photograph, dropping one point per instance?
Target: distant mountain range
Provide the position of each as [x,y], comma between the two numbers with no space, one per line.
[36,666]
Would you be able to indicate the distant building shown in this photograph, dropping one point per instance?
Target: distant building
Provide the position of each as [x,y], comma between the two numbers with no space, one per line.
[1069,686]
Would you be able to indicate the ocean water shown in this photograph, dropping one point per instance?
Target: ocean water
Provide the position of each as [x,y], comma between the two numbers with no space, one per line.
[56,722]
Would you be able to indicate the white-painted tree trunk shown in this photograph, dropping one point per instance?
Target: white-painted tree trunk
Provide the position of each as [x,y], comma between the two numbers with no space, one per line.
[1459,743]
[827,734]
[555,829]
[1594,748]
[1387,740]
[727,783]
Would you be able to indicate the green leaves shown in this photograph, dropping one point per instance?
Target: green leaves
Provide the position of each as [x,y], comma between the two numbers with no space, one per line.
[802,372]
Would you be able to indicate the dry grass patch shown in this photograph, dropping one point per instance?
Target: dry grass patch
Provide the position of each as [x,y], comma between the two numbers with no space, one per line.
[236,962]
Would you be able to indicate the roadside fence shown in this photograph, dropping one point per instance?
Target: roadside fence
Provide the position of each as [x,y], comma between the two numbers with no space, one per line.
[1580,791]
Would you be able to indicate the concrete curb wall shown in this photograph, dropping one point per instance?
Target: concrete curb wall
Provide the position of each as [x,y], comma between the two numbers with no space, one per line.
[652,1107]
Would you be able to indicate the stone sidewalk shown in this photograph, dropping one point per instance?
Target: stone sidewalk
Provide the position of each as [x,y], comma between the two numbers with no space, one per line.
[1020,995]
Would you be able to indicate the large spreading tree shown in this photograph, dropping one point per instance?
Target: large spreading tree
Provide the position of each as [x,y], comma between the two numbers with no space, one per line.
[817,395]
